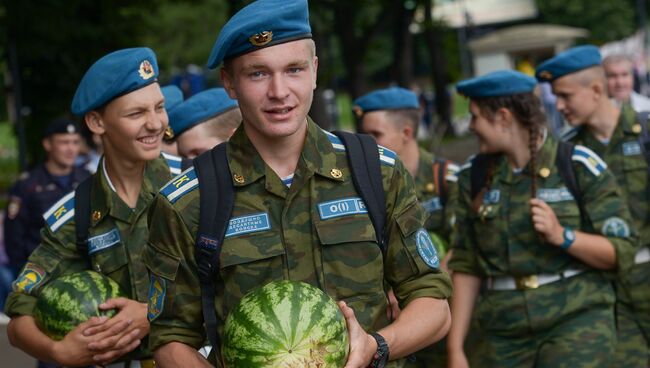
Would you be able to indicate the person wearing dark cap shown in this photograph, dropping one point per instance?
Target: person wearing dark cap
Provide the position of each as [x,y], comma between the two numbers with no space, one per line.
[203,121]
[301,217]
[619,136]
[392,116]
[120,100]
[173,98]
[524,245]
[38,189]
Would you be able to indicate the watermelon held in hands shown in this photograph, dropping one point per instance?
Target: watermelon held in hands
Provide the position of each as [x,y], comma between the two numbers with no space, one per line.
[286,324]
[69,300]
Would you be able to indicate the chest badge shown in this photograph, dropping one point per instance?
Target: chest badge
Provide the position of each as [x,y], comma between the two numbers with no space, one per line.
[544,172]
[336,173]
[429,187]
[636,128]
[238,179]
[96,215]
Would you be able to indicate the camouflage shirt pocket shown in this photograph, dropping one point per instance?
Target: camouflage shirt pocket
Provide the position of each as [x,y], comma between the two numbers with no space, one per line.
[110,259]
[160,263]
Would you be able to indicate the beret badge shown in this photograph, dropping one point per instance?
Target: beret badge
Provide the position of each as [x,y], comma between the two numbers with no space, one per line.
[358,111]
[261,39]
[146,70]
[545,74]
[169,134]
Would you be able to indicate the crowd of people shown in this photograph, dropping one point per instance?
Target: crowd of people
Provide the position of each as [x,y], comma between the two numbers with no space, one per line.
[542,241]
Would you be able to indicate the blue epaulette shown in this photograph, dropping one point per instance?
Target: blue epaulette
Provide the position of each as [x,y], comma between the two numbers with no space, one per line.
[180,185]
[589,158]
[60,213]
[174,163]
[569,134]
[386,156]
[452,172]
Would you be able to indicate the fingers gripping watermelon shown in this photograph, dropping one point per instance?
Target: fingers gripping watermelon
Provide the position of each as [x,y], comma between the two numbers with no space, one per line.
[70,300]
[285,324]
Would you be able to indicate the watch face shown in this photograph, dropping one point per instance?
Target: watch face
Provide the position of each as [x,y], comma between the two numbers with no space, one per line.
[569,234]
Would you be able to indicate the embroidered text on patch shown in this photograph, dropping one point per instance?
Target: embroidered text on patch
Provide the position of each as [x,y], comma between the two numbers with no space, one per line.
[551,195]
[248,224]
[432,205]
[103,241]
[341,207]
[631,148]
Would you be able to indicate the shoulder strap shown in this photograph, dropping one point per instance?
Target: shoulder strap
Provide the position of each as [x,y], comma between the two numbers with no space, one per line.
[363,157]
[440,179]
[565,168]
[644,137]
[217,201]
[478,173]
[82,215]
[186,163]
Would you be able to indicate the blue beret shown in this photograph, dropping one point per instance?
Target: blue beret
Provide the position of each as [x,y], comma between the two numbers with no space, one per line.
[115,74]
[199,108]
[386,99]
[262,23]
[567,62]
[499,83]
[173,97]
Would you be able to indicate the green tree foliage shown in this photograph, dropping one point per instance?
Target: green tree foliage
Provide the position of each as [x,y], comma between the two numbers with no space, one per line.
[607,20]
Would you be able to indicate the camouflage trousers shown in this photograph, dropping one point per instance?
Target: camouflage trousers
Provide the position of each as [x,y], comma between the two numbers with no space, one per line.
[633,318]
[568,323]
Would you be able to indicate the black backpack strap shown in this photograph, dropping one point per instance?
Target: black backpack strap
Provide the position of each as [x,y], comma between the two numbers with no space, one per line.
[363,157]
[186,163]
[644,137]
[478,173]
[564,164]
[217,201]
[82,215]
[440,179]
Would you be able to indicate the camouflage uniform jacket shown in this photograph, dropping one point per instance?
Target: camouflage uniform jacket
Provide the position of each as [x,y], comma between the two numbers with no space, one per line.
[116,240]
[625,159]
[316,231]
[500,239]
[441,217]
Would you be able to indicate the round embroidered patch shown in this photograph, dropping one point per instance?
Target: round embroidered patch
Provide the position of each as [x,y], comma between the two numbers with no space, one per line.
[426,249]
[617,227]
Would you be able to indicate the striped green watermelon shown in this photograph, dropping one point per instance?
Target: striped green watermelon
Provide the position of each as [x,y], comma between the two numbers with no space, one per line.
[70,300]
[285,324]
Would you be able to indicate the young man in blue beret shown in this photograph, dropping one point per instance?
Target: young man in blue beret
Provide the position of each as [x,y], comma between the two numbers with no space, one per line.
[286,173]
[120,100]
[203,121]
[616,135]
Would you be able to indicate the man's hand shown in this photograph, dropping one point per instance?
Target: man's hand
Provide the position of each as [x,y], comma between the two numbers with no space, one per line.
[362,346]
[545,222]
[73,349]
[122,333]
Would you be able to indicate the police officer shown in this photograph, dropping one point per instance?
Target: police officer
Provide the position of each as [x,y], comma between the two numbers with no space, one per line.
[120,100]
[38,189]
[173,98]
[533,239]
[203,121]
[392,116]
[286,174]
[616,135]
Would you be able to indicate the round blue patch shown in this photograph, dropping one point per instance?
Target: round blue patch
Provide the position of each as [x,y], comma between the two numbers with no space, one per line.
[426,249]
[616,227]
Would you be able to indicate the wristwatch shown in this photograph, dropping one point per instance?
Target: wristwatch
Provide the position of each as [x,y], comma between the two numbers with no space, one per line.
[569,238]
[381,356]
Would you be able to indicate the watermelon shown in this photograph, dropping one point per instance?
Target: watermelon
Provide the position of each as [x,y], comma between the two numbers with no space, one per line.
[285,324]
[70,300]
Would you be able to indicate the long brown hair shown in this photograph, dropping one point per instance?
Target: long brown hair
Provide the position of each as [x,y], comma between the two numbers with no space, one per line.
[527,110]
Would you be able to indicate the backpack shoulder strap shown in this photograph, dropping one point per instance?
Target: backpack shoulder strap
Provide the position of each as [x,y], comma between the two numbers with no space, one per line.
[186,163]
[478,173]
[564,163]
[82,215]
[644,137]
[440,179]
[217,201]
[363,157]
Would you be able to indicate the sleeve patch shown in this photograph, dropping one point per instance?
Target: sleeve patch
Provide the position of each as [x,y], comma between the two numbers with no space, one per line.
[590,159]
[615,227]
[387,156]
[426,249]
[336,142]
[180,185]
[31,276]
[60,213]
[156,300]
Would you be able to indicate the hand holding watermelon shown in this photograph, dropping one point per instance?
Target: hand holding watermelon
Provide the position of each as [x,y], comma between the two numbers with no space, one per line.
[362,345]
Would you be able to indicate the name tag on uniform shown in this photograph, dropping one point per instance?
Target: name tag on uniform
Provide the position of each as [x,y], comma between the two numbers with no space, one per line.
[550,195]
[341,207]
[432,205]
[631,148]
[492,196]
[248,224]
[103,241]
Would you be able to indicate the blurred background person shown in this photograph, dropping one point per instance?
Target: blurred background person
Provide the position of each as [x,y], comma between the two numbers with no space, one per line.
[620,82]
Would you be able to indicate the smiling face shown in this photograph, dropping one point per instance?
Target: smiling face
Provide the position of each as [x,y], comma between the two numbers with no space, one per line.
[62,149]
[274,87]
[132,126]
[619,79]
[491,138]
